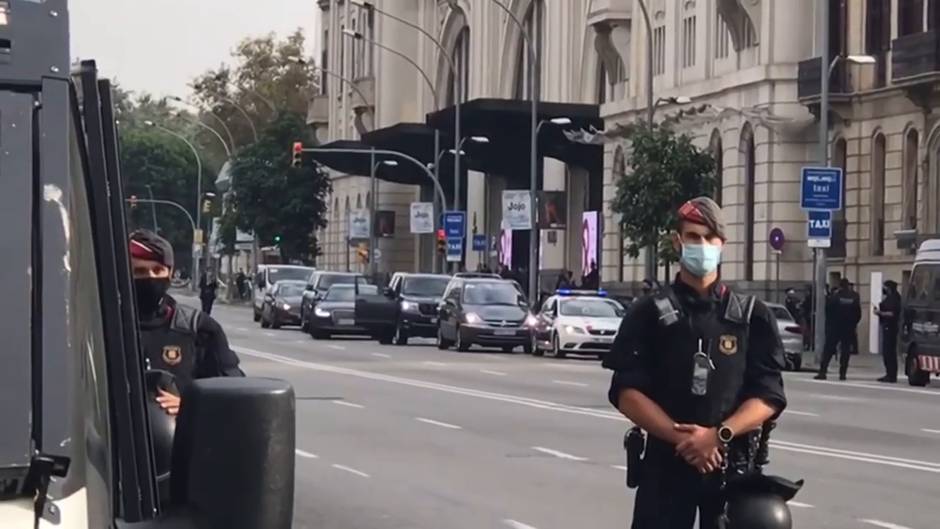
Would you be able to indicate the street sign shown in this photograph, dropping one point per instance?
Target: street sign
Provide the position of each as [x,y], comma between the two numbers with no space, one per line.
[422,217]
[454,250]
[777,239]
[377,254]
[821,188]
[455,224]
[819,229]
[479,243]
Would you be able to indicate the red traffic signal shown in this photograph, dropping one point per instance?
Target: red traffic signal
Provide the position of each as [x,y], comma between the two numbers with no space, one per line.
[441,242]
[297,154]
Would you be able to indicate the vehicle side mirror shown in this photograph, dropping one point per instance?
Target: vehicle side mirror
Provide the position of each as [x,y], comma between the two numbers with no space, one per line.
[248,484]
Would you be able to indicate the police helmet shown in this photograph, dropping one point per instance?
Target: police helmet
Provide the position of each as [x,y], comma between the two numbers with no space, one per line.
[162,425]
[758,511]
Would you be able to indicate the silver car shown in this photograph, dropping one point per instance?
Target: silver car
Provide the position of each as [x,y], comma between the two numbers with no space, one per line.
[790,334]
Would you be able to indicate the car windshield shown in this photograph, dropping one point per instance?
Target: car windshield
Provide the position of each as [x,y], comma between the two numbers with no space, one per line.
[591,308]
[781,313]
[348,292]
[292,290]
[276,274]
[490,294]
[430,287]
[328,280]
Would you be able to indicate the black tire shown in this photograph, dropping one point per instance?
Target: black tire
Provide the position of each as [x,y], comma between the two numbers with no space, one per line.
[385,338]
[400,336]
[527,348]
[462,345]
[557,352]
[534,348]
[508,348]
[442,344]
[915,375]
[319,335]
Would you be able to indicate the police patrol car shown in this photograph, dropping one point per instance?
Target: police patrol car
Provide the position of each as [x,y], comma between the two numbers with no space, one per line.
[576,321]
[919,342]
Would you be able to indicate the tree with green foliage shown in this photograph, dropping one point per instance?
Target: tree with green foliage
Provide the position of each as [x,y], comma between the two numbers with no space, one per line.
[665,170]
[278,202]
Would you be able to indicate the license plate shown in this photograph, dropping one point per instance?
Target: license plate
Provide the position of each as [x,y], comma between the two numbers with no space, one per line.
[348,323]
[504,332]
[606,340]
[432,321]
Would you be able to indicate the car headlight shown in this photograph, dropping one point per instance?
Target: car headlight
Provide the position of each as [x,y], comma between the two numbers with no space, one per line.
[285,306]
[320,313]
[409,306]
[531,321]
[571,329]
[471,317]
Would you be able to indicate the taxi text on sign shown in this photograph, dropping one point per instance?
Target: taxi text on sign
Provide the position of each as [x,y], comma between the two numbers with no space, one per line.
[819,229]
[821,188]
[454,250]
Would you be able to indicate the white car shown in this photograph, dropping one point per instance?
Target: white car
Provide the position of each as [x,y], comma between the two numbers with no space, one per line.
[576,322]
[790,334]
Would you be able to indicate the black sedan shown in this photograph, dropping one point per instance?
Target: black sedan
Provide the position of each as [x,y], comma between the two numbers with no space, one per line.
[335,313]
[487,312]
[281,305]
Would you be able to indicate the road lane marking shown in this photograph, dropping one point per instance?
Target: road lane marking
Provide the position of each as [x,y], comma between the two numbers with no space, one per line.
[351,470]
[269,334]
[242,329]
[836,398]
[885,525]
[438,423]
[569,383]
[802,413]
[619,467]
[867,386]
[563,408]
[517,525]
[348,404]
[336,347]
[381,355]
[494,373]
[928,430]
[800,505]
[559,454]
[434,364]
[496,357]
[308,455]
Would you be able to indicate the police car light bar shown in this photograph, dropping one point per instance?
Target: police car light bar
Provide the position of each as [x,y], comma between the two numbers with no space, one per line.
[571,292]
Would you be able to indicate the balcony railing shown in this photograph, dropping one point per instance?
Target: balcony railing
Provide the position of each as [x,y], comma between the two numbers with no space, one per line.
[808,78]
[915,57]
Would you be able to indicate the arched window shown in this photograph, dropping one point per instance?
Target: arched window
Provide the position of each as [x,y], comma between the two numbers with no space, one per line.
[717,152]
[878,195]
[839,159]
[358,201]
[911,170]
[748,165]
[878,36]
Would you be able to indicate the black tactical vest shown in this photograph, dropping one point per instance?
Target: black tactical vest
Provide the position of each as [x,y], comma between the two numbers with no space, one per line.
[173,346]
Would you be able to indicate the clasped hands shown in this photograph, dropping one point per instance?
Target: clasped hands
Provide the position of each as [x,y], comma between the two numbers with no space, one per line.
[699,446]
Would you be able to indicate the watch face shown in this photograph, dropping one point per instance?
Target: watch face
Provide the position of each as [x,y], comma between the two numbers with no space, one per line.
[725,434]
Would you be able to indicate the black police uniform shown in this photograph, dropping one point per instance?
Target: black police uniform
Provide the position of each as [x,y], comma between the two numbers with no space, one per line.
[186,342]
[844,311]
[657,359]
[889,333]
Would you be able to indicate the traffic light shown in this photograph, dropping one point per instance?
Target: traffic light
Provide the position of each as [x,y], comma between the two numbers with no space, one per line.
[133,201]
[441,242]
[297,154]
[277,239]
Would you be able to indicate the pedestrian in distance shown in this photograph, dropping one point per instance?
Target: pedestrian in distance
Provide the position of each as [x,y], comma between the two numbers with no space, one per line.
[698,367]
[181,340]
[843,312]
[889,317]
[240,280]
[208,287]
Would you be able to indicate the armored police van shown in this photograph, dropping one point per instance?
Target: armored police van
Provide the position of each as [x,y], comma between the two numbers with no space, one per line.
[919,341]
[81,443]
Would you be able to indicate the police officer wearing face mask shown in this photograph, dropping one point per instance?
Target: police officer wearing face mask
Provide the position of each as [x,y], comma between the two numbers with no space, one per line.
[889,315]
[173,337]
[697,367]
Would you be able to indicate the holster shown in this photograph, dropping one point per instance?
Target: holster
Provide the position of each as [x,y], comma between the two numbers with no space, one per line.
[634,443]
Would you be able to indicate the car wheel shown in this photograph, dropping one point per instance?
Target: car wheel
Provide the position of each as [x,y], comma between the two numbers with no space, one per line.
[385,337]
[319,335]
[557,352]
[534,348]
[915,375]
[462,344]
[527,348]
[401,336]
[256,315]
[508,348]
[441,342]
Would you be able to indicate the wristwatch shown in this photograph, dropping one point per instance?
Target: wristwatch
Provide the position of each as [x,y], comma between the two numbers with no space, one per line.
[725,434]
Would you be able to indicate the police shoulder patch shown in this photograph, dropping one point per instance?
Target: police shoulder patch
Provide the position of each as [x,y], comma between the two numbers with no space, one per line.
[728,344]
[172,354]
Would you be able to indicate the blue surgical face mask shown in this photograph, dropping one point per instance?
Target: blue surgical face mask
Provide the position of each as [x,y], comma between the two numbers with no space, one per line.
[700,259]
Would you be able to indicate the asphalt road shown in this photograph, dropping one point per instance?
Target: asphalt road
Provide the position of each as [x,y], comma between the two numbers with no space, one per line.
[412,437]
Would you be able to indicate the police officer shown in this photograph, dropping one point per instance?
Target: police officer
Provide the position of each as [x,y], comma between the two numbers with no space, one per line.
[181,340]
[843,312]
[698,367]
[889,312]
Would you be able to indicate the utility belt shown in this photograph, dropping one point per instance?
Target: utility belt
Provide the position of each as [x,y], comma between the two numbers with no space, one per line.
[746,455]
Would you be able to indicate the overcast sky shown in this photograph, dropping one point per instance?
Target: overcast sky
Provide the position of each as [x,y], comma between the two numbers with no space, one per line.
[158,46]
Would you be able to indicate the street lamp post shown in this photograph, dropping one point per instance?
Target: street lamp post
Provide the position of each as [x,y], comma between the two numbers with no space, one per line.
[221,121]
[339,77]
[153,209]
[534,235]
[228,149]
[198,186]
[254,131]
